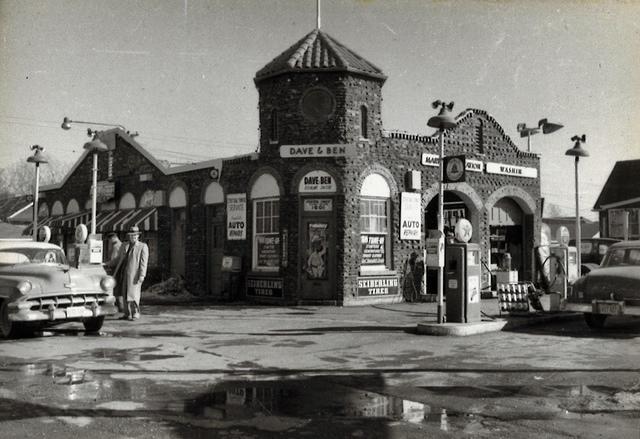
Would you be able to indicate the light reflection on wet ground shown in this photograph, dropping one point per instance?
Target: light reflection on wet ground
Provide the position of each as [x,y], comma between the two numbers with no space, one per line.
[61,391]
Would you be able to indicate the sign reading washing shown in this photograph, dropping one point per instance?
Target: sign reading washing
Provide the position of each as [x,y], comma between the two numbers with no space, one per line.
[512,170]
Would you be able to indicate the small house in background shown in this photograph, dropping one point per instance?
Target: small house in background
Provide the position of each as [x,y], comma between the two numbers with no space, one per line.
[619,202]
[588,228]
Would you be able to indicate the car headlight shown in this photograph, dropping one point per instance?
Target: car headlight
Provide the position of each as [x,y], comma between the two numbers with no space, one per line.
[107,283]
[24,287]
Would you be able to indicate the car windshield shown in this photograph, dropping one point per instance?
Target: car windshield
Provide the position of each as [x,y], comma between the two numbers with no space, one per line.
[25,255]
[621,257]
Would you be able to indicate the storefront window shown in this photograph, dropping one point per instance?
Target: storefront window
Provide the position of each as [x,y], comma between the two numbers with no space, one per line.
[267,234]
[265,196]
[374,224]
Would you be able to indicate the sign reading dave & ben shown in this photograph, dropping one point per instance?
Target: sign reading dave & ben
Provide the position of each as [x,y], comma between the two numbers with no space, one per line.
[264,287]
[373,249]
[377,286]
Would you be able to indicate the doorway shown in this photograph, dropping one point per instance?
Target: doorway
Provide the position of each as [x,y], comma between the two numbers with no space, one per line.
[215,248]
[317,254]
[178,226]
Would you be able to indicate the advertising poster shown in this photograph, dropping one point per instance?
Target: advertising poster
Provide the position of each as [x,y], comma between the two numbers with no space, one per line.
[236,216]
[315,263]
[373,249]
[268,247]
[410,216]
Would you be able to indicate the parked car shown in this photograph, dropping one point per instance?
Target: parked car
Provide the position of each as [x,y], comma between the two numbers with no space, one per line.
[38,288]
[592,252]
[611,289]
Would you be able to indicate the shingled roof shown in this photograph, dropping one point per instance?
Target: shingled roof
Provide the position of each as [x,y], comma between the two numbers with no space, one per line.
[622,186]
[318,52]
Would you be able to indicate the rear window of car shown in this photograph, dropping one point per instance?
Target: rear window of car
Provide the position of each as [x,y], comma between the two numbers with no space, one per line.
[586,247]
[622,257]
[15,256]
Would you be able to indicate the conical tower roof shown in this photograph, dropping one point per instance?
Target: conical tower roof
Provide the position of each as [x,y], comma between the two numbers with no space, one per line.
[318,52]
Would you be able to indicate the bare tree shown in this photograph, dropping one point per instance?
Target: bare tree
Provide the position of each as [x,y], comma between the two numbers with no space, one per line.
[18,178]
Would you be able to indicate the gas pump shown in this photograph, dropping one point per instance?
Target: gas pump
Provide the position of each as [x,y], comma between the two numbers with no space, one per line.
[462,273]
[562,260]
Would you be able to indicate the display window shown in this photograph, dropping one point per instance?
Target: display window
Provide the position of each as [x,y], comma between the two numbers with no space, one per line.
[266,234]
[375,249]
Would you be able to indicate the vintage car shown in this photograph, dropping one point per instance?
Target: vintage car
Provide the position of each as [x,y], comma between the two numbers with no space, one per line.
[38,288]
[592,252]
[611,289]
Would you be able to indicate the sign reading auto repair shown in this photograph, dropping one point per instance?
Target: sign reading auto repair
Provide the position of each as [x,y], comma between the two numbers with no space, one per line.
[236,216]
[410,216]
[377,286]
[264,287]
[326,150]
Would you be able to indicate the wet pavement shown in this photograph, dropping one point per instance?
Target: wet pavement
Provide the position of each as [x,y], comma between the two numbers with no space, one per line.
[190,372]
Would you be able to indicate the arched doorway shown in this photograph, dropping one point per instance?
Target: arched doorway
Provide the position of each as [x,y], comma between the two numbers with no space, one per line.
[506,235]
[178,203]
[215,229]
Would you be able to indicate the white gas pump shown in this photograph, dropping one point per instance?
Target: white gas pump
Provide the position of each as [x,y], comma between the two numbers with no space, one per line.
[562,260]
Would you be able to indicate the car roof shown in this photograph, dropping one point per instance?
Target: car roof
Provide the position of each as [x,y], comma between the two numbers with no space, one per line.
[25,243]
[625,244]
[602,240]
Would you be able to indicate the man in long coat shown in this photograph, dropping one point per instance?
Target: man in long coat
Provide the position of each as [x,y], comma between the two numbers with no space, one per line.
[130,273]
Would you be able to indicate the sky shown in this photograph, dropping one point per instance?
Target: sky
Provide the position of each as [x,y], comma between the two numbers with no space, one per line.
[180,73]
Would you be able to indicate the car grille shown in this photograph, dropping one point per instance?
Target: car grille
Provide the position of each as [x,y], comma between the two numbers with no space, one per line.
[63,301]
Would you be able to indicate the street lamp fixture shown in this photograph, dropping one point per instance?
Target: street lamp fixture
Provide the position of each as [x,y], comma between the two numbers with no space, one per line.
[577,151]
[37,158]
[443,121]
[543,124]
[95,146]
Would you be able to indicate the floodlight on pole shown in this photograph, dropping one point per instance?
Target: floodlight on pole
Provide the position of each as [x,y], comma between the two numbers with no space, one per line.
[543,124]
[443,121]
[95,146]
[37,158]
[577,151]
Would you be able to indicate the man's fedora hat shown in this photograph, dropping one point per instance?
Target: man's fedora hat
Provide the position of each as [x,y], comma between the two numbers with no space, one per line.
[134,231]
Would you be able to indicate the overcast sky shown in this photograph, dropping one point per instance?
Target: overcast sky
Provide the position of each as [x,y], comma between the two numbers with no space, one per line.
[181,72]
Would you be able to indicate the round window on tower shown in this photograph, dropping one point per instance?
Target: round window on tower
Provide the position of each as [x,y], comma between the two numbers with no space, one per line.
[318,104]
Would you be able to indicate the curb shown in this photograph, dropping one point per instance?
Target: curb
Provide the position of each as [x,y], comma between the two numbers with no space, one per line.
[499,324]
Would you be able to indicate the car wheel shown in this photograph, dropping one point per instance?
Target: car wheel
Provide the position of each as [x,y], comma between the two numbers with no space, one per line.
[8,329]
[595,321]
[93,324]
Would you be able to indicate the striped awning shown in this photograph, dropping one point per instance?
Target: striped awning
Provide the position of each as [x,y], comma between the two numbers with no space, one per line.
[41,222]
[123,220]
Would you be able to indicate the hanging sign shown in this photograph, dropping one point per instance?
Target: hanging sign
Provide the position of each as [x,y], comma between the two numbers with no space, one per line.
[410,216]
[373,249]
[268,250]
[326,150]
[377,286]
[264,287]
[512,170]
[318,205]
[236,217]
[454,169]
[317,181]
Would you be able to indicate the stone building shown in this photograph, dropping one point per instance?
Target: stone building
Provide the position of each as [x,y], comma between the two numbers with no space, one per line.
[314,216]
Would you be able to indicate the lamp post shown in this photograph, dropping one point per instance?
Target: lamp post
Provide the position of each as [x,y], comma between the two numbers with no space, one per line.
[546,126]
[443,121]
[577,151]
[37,158]
[95,146]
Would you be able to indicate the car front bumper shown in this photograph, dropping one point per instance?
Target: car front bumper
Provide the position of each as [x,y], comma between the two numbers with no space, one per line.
[25,311]
[595,307]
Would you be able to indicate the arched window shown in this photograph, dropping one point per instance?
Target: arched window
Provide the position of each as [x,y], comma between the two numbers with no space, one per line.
[127,201]
[273,133]
[73,206]
[375,229]
[265,196]
[364,122]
